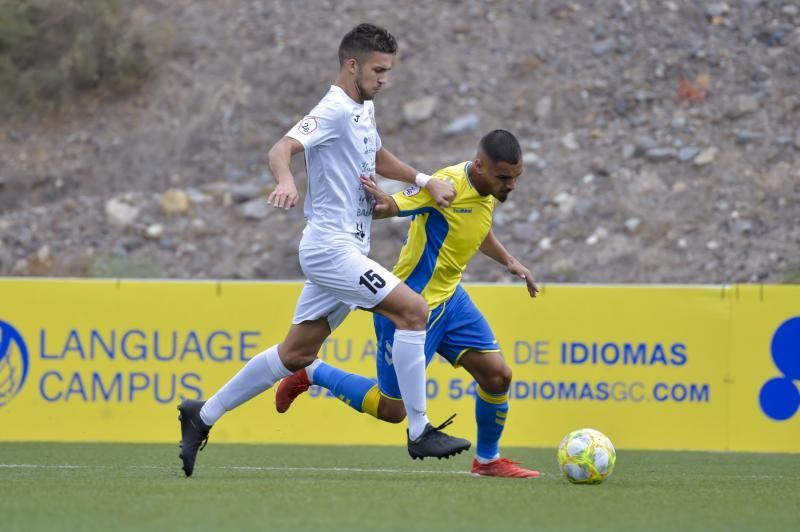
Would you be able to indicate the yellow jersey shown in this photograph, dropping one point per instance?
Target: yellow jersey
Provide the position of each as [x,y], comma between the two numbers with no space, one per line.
[442,241]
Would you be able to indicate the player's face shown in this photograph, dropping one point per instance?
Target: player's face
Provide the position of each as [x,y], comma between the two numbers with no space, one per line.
[499,178]
[372,73]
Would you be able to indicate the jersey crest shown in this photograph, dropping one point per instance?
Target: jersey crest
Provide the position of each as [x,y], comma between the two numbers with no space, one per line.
[411,191]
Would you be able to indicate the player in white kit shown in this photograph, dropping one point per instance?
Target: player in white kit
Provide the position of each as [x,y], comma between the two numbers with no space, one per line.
[341,144]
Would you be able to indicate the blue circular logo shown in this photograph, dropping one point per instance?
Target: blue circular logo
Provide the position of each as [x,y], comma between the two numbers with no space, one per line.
[786,348]
[779,397]
[13,362]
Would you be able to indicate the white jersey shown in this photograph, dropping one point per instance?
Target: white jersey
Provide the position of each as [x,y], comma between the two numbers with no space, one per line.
[340,141]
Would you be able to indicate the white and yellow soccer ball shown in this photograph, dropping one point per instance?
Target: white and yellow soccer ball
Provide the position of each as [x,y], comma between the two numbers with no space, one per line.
[586,456]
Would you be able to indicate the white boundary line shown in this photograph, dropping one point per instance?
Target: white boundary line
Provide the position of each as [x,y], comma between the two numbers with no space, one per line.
[241,468]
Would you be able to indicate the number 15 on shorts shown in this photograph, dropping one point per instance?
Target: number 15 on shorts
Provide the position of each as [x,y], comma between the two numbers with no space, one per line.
[372,281]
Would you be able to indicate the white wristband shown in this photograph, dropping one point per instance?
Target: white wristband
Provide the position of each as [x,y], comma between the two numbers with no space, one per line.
[422,179]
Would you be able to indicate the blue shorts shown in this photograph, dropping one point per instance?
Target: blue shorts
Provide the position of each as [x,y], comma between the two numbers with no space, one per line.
[454,327]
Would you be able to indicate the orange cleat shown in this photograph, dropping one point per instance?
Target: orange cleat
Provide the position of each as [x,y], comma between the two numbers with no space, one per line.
[502,467]
[289,388]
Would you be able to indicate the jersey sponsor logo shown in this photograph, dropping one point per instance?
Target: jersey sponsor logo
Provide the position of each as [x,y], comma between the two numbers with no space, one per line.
[411,191]
[308,125]
[369,146]
[356,118]
[462,210]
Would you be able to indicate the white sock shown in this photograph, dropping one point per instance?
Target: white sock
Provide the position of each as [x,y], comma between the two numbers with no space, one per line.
[258,375]
[482,460]
[310,369]
[408,357]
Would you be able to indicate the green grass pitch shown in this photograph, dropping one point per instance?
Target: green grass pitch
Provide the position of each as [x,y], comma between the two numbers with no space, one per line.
[45,486]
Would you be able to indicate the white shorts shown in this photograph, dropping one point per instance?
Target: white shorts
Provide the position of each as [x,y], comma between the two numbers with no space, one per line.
[339,279]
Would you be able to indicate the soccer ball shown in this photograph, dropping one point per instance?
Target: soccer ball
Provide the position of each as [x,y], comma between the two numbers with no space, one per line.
[586,456]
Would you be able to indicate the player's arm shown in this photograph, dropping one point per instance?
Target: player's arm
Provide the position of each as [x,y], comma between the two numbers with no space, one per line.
[280,155]
[388,165]
[323,124]
[385,205]
[491,247]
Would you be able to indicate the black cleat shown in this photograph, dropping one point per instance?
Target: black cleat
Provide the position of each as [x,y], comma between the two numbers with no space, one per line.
[436,444]
[194,433]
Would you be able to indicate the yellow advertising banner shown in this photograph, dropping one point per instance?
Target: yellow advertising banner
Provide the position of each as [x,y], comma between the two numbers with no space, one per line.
[653,367]
[764,374]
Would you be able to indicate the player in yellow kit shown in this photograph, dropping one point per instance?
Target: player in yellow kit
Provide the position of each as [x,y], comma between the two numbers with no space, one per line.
[440,244]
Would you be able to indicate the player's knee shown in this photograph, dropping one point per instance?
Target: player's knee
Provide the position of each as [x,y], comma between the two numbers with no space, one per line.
[296,358]
[499,381]
[299,361]
[391,411]
[415,316]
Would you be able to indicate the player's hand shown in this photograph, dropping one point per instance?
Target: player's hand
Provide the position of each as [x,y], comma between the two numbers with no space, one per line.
[284,196]
[442,192]
[516,268]
[383,202]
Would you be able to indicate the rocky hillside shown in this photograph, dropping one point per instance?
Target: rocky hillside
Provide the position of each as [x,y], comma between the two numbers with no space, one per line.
[661,139]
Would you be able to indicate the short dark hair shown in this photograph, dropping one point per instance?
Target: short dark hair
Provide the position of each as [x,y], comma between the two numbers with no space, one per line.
[501,146]
[366,38]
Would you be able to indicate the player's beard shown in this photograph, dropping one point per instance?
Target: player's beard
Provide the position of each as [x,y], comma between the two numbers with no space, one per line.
[364,93]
